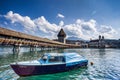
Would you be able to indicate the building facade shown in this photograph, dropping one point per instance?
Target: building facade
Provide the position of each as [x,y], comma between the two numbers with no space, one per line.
[104,43]
[97,43]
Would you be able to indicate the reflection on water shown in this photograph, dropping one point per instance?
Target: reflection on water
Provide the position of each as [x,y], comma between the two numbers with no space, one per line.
[101,52]
[22,56]
[71,75]
[106,64]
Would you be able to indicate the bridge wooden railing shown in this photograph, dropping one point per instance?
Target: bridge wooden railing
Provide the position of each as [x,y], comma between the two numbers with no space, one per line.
[35,43]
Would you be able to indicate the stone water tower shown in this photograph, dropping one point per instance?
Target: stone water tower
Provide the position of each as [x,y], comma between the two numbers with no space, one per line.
[61,36]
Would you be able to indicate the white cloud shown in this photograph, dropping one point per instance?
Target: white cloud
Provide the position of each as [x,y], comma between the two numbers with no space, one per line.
[46,27]
[107,31]
[60,15]
[89,29]
[14,17]
[23,20]
[43,28]
[82,29]
[73,30]
[39,26]
[89,26]
[78,21]
[61,23]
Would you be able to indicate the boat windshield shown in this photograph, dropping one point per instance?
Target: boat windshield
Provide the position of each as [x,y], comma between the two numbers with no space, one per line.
[56,59]
[50,59]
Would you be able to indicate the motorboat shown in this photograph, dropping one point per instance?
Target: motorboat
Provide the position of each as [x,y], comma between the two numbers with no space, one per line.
[50,63]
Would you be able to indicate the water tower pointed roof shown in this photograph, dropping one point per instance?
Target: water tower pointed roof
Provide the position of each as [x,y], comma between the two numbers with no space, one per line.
[61,33]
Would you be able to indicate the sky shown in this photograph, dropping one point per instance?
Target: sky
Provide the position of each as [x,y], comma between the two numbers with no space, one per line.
[86,19]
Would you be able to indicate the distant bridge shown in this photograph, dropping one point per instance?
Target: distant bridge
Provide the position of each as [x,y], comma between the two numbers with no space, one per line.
[17,39]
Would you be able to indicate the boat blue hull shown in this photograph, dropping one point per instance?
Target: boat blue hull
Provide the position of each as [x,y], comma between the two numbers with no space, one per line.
[28,70]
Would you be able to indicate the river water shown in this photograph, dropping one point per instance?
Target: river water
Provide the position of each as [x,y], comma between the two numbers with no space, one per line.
[106,64]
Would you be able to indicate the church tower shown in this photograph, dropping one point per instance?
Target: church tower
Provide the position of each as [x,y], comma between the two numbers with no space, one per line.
[61,36]
[101,42]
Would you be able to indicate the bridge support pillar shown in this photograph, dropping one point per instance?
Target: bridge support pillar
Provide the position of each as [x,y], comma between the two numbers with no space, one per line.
[33,48]
[42,48]
[16,48]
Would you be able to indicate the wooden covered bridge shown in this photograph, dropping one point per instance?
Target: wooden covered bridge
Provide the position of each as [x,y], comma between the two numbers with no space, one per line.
[17,39]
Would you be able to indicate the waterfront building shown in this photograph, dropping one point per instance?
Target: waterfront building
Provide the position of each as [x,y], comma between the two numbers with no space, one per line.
[97,43]
[112,43]
[104,43]
[81,43]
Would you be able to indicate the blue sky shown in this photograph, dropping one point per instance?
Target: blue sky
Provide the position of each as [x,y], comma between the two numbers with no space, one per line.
[79,18]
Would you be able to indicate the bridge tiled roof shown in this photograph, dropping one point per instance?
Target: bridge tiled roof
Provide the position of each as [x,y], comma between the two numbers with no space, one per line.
[7,32]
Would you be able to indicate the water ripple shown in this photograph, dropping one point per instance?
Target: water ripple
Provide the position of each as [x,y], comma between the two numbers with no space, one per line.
[106,66]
